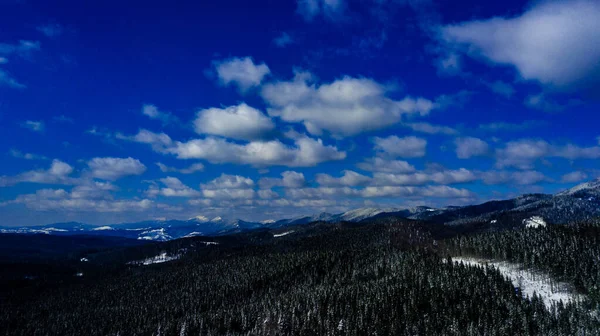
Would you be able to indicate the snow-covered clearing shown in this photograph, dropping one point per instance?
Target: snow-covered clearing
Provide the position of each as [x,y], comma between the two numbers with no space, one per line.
[161,258]
[529,282]
[282,234]
[534,222]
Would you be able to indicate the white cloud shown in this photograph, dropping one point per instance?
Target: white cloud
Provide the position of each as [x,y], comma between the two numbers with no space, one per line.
[81,200]
[229,187]
[347,106]
[58,173]
[283,40]
[407,147]
[109,168]
[267,194]
[349,179]
[173,188]
[289,179]
[226,181]
[429,191]
[3,60]
[241,72]
[523,153]
[305,152]
[445,176]
[555,42]
[240,122]
[428,128]
[196,167]
[378,164]
[7,80]
[450,64]
[36,126]
[330,9]
[50,30]
[152,112]
[468,147]
[573,177]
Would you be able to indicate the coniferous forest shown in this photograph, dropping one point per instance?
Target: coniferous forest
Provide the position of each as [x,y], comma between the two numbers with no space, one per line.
[386,276]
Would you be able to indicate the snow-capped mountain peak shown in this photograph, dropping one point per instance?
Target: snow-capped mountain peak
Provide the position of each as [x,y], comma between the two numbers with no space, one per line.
[199,218]
[590,186]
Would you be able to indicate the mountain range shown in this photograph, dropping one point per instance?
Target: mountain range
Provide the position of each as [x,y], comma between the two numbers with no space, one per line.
[576,204]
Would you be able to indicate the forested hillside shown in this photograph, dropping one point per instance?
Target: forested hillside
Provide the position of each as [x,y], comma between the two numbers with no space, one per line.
[386,277]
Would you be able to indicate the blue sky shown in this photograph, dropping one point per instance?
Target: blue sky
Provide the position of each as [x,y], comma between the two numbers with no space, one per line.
[117,111]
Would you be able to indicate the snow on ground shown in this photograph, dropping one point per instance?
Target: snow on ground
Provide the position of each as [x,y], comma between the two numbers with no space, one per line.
[210,243]
[529,281]
[161,258]
[193,234]
[534,222]
[282,234]
[156,234]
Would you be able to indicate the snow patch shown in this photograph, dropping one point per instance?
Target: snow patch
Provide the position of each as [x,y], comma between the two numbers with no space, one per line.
[534,222]
[529,282]
[192,234]
[161,258]
[84,260]
[493,221]
[156,234]
[275,235]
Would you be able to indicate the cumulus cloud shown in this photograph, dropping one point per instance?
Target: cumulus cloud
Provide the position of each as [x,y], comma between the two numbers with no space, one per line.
[152,112]
[289,179]
[349,179]
[58,173]
[445,176]
[305,152]
[90,199]
[242,72]
[240,122]
[36,126]
[554,42]
[468,147]
[196,167]
[173,187]
[407,147]
[229,187]
[109,168]
[523,153]
[382,165]
[573,177]
[346,106]
[428,128]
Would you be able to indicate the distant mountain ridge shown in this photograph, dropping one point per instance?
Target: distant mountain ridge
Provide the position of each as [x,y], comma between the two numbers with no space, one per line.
[578,203]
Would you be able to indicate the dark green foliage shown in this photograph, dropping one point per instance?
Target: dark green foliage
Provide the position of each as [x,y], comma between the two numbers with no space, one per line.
[384,278]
